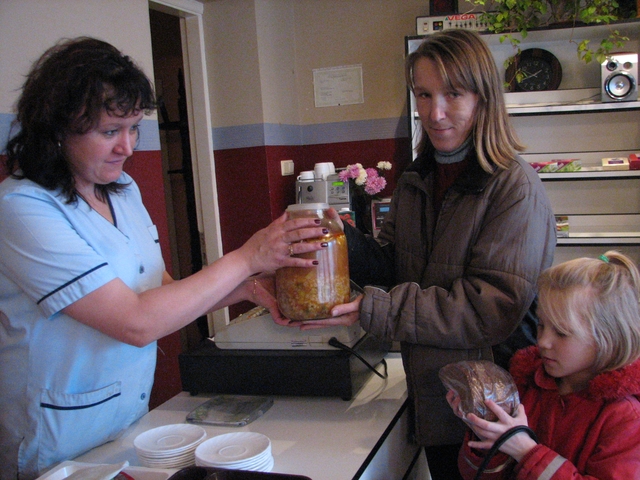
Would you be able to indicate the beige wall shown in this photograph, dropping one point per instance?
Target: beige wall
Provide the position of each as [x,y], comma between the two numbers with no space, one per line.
[347,32]
[275,22]
[28,27]
[233,66]
[261,55]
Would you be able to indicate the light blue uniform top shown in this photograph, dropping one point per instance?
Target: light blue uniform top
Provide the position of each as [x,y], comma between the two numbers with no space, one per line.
[65,387]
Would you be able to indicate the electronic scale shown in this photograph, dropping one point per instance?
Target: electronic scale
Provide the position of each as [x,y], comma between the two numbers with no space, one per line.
[255,356]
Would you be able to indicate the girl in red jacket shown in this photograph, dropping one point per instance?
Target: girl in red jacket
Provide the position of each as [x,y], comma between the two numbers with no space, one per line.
[579,387]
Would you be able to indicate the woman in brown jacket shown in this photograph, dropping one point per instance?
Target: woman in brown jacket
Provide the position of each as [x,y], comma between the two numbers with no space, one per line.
[469,231]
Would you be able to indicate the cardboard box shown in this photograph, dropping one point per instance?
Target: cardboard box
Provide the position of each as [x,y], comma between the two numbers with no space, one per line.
[544,167]
[615,163]
[562,226]
[568,165]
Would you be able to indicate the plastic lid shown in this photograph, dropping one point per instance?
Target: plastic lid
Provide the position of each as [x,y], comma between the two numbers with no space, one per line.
[296,207]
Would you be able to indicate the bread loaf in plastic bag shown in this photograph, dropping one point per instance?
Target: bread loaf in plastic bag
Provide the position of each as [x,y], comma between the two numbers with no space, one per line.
[476,381]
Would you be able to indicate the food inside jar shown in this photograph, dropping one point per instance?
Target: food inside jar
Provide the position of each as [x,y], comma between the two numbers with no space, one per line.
[311,293]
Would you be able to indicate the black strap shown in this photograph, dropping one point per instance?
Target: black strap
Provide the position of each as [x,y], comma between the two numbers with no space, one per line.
[498,443]
[334,342]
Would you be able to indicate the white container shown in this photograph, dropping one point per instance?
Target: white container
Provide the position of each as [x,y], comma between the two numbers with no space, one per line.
[324,169]
[68,468]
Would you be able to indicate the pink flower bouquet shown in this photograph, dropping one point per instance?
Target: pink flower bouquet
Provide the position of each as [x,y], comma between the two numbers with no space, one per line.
[370,180]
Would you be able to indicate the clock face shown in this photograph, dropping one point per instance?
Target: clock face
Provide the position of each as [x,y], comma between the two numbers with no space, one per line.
[534,70]
[537,75]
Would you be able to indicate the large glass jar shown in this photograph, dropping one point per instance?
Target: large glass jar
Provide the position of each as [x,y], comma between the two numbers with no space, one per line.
[305,293]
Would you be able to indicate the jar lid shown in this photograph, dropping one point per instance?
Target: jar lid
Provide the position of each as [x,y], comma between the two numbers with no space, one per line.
[296,207]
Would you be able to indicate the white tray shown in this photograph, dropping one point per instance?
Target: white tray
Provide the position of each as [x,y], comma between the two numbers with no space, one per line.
[65,469]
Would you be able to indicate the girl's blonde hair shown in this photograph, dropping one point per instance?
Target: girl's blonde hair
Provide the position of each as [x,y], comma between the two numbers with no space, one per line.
[596,300]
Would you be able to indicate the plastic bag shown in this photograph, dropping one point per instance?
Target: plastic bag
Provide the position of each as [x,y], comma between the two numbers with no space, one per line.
[480,380]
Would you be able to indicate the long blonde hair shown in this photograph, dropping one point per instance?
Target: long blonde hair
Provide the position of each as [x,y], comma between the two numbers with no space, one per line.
[596,300]
[466,63]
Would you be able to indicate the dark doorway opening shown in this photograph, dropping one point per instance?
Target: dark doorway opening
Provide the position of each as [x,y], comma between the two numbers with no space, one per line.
[186,249]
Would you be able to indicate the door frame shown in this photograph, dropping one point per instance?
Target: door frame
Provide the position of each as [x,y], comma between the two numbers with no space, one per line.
[200,131]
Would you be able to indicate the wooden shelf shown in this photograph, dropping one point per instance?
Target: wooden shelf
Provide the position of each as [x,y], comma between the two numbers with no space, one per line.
[607,229]
[558,102]
[545,109]
[581,241]
[605,212]
[627,27]
[591,175]
[576,100]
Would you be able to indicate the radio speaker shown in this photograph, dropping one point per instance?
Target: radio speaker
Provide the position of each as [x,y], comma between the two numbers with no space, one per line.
[619,74]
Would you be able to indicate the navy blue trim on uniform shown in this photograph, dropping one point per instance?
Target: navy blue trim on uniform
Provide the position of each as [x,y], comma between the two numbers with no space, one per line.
[113,212]
[70,282]
[78,407]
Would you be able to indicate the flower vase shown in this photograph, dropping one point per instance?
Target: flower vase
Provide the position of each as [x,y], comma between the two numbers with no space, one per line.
[361,205]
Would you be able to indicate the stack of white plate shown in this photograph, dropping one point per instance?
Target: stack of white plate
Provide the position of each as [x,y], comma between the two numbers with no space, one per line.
[236,451]
[169,446]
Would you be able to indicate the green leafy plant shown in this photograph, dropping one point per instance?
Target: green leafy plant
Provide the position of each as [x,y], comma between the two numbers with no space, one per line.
[514,18]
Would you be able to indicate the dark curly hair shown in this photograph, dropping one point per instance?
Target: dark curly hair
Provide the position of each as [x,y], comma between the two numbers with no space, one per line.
[66,92]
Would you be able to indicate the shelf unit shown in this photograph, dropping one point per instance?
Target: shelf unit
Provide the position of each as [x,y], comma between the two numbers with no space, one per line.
[603,207]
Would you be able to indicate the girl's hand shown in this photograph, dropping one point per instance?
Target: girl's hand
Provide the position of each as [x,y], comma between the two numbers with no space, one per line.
[333,214]
[517,446]
[346,314]
[263,289]
[455,402]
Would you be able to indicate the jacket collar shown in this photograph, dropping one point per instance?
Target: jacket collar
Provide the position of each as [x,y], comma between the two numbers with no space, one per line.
[473,178]
[526,369]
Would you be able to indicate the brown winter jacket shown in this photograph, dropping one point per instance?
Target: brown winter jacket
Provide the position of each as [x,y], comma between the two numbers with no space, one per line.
[463,282]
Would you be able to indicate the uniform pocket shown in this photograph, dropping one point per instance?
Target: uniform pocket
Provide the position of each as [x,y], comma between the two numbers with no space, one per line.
[71,424]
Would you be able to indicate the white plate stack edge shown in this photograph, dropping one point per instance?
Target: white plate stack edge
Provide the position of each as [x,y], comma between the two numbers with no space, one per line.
[236,451]
[169,446]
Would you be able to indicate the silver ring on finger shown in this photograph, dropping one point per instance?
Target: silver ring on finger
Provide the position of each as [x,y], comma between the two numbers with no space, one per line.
[290,250]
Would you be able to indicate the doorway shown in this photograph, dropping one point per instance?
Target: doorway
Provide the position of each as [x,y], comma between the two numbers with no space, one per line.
[173,122]
[183,41]
[188,14]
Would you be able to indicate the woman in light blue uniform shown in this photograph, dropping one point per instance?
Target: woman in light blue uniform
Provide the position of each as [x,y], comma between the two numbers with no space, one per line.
[84,294]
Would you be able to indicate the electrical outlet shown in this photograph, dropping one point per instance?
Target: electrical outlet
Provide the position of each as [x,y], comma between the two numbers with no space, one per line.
[286,166]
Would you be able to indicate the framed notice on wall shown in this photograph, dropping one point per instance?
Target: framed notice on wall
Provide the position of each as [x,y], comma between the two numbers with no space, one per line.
[335,86]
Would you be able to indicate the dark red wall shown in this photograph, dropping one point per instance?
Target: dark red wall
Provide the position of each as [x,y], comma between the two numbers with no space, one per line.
[252,191]
[146,169]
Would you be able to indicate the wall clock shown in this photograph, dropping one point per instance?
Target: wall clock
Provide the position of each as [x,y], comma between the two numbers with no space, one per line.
[540,70]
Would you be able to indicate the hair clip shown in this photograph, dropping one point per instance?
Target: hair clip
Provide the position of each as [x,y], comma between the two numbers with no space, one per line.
[604,258]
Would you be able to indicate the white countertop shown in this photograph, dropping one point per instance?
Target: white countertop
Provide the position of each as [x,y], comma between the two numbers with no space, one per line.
[320,437]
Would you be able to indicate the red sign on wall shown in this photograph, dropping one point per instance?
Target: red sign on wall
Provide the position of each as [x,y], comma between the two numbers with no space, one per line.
[442,7]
